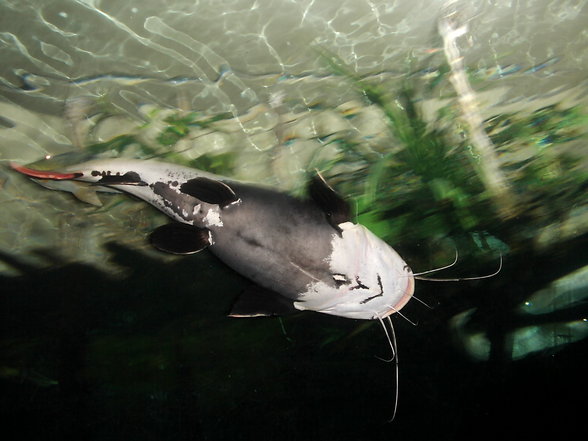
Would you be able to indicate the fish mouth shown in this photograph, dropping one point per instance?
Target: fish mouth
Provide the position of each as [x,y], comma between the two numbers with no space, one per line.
[408,292]
[43,174]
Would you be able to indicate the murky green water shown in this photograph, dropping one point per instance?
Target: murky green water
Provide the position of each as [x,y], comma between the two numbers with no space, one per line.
[449,126]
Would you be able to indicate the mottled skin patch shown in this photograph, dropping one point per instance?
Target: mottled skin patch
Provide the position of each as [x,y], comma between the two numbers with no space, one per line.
[181,204]
[129,178]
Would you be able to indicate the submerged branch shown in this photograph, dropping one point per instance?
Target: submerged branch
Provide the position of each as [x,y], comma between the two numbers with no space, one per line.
[490,173]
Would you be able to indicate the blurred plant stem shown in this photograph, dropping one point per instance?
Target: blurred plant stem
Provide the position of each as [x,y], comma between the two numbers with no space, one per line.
[487,165]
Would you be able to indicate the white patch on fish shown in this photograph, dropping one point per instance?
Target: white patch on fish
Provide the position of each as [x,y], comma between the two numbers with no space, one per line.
[373,280]
[213,218]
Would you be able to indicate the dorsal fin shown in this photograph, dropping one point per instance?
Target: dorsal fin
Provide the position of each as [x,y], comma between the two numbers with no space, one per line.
[334,206]
[210,191]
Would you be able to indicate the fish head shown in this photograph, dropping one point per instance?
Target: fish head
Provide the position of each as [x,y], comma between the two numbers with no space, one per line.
[371,279]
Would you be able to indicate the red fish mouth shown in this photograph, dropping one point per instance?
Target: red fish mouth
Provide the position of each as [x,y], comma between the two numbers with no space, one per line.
[42,174]
[404,299]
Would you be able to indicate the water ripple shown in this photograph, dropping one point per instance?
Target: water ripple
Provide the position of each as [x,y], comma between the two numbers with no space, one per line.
[10,39]
[57,54]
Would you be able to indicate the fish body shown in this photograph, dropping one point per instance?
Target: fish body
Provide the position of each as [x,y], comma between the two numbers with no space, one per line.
[302,254]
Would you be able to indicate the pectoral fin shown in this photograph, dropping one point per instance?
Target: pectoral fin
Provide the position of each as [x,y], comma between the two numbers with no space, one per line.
[87,195]
[177,238]
[256,301]
[210,191]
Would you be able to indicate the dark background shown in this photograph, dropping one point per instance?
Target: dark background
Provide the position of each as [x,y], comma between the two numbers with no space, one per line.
[151,355]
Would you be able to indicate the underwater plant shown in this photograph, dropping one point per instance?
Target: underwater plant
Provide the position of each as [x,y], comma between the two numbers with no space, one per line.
[431,177]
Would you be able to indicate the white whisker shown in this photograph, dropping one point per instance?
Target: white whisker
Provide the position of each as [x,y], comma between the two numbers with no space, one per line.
[422,302]
[392,345]
[461,279]
[396,374]
[434,270]
[396,311]
[391,337]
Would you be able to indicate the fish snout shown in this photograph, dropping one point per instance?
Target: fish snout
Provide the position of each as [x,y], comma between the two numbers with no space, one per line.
[404,298]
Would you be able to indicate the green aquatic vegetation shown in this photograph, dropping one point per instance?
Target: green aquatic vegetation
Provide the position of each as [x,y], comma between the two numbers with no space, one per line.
[428,185]
[221,163]
[546,173]
[179,125]
[118,145]
[424,172]
[542,128]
